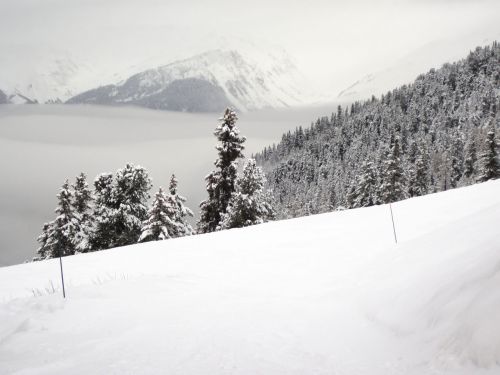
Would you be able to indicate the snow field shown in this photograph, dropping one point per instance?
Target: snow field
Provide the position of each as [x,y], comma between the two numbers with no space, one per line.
[325,294]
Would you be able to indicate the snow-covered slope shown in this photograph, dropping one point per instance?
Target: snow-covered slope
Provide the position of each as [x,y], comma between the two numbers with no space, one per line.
[406,69]
[43,74]
[326,294]
[209,82]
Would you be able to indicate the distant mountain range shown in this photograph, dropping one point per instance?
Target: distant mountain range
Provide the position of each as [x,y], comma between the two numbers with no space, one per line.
[207,82]
[244,75]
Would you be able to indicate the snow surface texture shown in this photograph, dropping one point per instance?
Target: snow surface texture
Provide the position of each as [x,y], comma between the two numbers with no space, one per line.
[325,294]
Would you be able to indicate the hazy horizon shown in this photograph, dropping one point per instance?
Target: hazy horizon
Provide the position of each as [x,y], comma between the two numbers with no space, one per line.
[333,43]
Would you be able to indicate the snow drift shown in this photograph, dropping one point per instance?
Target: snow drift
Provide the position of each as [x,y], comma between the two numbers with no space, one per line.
[325,294]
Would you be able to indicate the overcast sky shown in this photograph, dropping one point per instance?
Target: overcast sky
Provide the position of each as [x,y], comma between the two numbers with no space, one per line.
[329,39]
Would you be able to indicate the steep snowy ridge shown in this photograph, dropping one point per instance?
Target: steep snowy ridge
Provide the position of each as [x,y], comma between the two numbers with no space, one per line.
[330,293]
[227,77]
[44,75]
[406,69]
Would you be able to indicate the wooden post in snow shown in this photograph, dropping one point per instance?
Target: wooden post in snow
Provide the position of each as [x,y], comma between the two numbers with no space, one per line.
[393,226]
[62,275]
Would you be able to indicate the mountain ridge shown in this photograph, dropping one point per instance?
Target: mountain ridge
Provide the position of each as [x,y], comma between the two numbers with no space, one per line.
[245,84]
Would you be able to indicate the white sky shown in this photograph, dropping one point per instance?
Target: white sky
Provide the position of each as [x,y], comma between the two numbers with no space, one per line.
[331,40]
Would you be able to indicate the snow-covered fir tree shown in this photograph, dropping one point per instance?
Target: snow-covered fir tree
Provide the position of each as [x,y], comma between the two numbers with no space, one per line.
[470,158]
[418,178]
[160,224]
[221,182]
[250,204]
[209,208]
[130,203]
[59,237]
[44,239]
[181,210]
[365,190]
[120,207]
[393,186]
[102,234]
[82,204]
[489,165]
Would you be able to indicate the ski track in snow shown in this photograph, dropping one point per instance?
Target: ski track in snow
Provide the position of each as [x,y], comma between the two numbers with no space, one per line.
[325,294]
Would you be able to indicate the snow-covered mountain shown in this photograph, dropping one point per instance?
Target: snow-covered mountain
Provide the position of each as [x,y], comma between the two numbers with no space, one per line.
[209,82]
[229,71]
[301,296]
[3,98]
[405,70]
[43,74]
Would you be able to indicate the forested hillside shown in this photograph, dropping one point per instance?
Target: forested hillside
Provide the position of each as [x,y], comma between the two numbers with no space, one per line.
[433,135]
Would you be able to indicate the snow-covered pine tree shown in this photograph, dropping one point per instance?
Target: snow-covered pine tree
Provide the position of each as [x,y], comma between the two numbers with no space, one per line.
[130,201]
[456,162]
[418,176]
[393,181]
[82,199]
[160,224]
[181,211]
[59,237]
[102,234]
[120,207]
[250,204]
[489,165]
[208,212]
[365,193]
[221,182]
[470,158]
[44,251]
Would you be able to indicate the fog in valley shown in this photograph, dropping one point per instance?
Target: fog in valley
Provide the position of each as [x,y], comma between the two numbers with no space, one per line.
[41,146]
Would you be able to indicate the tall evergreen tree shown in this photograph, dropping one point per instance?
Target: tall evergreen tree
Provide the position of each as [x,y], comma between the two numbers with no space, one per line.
[456,162]
[365,193]
[160,224]
[489,165]
[120,207]
[418,176]
[181,211]
[101,236]
[221,182]
[45,238]
[470,158]
[250,204]
[59,237]
[393,180]
[209,208]
[130,203]
[82,199]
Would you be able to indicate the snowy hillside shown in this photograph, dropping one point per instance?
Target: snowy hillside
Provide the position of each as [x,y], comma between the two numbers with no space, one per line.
[325,294]
[406,69]
[209,82]
[43,75]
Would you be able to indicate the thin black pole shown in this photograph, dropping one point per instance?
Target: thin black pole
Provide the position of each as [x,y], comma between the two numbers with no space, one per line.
[62,276]
[393,226]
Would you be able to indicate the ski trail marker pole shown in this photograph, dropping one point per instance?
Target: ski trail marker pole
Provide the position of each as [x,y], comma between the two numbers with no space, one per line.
[62,276]
[393,226]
